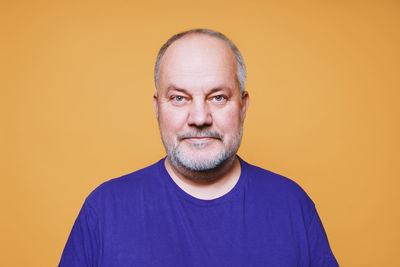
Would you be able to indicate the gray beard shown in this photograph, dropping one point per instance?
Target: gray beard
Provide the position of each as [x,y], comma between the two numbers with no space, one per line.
[176,156]
[205,170]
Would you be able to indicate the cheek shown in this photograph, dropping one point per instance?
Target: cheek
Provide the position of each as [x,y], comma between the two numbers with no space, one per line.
[229,121]
[171,121]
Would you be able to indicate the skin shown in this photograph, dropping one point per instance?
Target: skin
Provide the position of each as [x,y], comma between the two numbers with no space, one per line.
[200,112]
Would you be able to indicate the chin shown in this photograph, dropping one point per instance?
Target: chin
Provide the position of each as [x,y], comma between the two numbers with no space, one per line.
[198,160]
[200,155]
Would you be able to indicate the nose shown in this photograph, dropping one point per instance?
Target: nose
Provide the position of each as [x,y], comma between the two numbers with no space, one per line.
[199,115]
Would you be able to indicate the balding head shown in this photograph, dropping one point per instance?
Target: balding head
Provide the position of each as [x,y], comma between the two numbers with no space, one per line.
[240,70]
[198,62]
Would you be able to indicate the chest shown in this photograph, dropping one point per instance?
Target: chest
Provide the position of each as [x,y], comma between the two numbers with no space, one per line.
[177,233]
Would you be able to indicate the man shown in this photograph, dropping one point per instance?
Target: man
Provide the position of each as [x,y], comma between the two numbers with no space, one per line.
[202,205]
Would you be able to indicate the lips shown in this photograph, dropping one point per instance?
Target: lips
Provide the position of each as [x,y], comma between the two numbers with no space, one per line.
[198,140]
[200,136]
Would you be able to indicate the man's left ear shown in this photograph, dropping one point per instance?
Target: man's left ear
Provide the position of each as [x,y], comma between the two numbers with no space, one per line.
[245,103]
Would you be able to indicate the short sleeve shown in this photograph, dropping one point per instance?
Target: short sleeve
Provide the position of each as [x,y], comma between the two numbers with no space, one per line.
[320,251]
[83,245]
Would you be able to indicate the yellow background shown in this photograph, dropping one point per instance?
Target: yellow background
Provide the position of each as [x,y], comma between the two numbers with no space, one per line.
[76,90]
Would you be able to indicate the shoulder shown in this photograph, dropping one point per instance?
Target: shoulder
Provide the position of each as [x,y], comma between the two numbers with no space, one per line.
[270,180]
[275,188]
[126,187]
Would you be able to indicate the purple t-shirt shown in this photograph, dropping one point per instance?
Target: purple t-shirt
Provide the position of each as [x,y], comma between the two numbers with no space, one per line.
[145,219]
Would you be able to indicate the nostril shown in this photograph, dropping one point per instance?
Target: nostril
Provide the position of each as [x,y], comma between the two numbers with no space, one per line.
[200,122]
[200,116]
[200,127]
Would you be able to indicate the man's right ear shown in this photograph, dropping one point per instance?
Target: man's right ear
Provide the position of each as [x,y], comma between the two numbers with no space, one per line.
[155,103]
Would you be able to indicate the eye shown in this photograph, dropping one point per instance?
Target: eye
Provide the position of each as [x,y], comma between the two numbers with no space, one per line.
[178,99]
[219,99]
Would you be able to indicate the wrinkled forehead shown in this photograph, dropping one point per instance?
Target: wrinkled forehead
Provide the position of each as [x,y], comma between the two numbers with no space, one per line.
[198,56]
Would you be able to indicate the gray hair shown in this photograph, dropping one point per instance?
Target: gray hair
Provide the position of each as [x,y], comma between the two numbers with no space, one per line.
[241,68]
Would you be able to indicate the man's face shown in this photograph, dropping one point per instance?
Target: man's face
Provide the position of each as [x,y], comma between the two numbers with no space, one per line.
[199,106]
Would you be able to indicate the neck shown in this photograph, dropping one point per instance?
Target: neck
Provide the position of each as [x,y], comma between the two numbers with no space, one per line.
[206,184]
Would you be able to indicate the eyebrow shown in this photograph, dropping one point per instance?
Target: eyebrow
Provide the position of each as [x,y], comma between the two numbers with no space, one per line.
[182,90]
[218,89]
[174,88]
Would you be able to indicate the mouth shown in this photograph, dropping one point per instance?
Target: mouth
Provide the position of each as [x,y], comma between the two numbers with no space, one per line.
[199,139]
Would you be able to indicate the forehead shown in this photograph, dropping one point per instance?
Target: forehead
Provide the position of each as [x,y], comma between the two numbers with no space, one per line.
[198,59]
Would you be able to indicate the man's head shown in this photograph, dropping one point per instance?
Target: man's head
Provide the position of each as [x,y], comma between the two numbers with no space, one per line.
[241,68]
[200,102]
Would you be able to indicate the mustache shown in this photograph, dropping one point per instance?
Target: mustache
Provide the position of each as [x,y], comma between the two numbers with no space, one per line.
[205,133]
